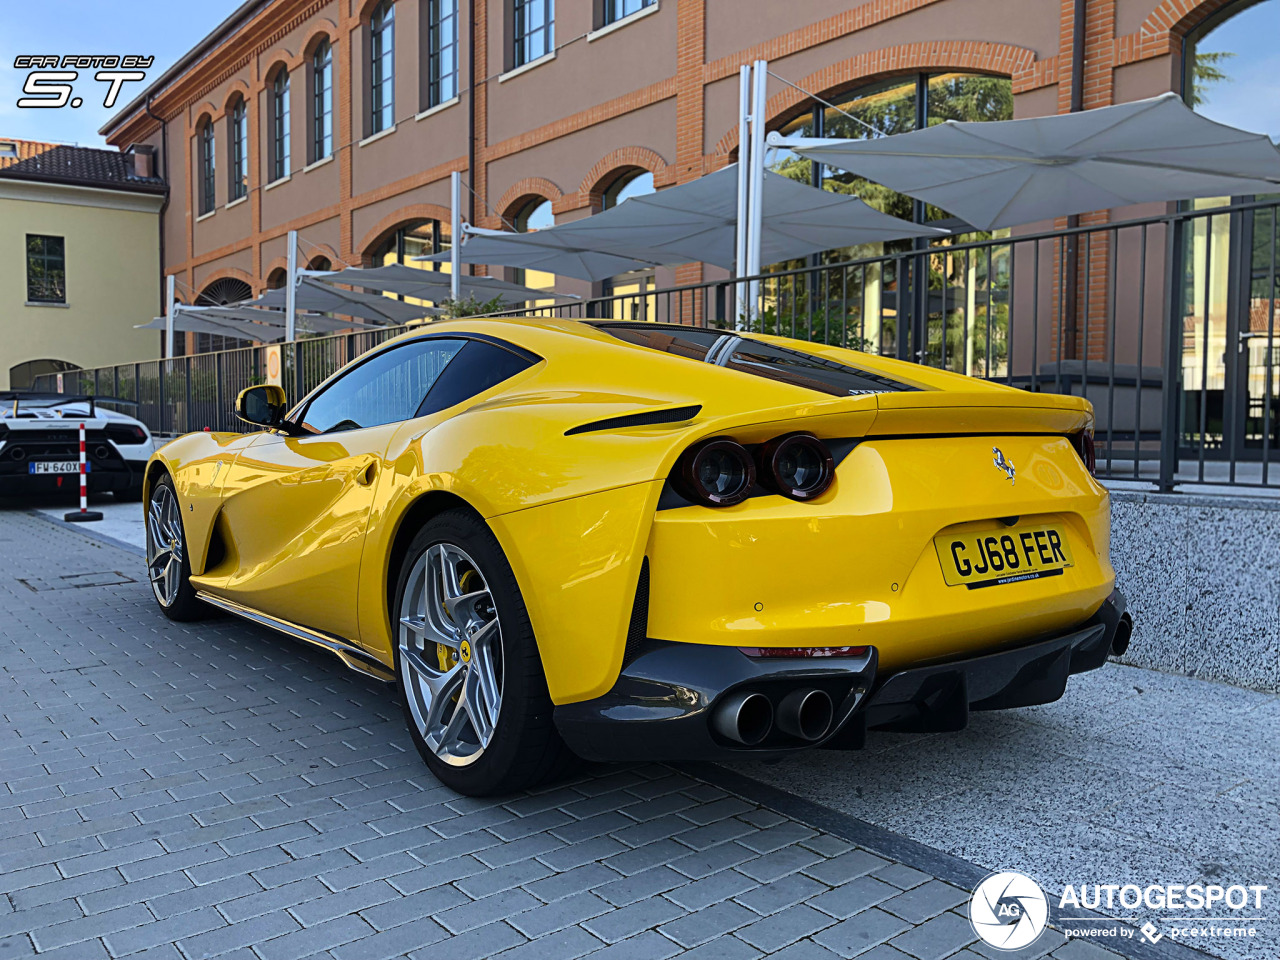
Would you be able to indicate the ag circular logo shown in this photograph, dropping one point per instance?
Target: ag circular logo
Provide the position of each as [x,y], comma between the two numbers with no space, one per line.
[1008,911]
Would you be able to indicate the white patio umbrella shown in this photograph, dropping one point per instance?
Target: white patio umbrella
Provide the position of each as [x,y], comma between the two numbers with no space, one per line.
[312,322]
[317,297]
[194,320]
[557,250]
[1011,172]
[696,221]
[430,285]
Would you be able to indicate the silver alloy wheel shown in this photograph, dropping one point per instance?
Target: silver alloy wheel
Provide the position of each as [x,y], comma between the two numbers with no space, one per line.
[451,654]
[164,545]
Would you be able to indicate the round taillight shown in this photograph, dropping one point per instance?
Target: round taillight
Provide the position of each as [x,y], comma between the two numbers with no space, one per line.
[718,473]
[798,466]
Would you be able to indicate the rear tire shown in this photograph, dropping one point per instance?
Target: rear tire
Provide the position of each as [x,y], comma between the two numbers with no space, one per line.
[467,665]
[168,568]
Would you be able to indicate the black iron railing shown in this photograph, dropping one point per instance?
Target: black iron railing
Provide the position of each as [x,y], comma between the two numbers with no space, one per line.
[1169,329]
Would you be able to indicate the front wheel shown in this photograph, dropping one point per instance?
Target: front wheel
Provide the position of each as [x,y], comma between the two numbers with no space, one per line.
[168,568]
[475,696]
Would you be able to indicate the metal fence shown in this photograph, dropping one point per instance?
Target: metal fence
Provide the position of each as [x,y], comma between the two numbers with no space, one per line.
[1169,329]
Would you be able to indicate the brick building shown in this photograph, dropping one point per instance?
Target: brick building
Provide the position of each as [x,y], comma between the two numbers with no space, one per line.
[343,119]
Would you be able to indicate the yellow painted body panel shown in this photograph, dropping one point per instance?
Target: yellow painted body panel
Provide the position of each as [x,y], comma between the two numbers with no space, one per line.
[308,525]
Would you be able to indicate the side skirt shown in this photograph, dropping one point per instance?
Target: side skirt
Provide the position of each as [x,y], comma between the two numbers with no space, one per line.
[352,656]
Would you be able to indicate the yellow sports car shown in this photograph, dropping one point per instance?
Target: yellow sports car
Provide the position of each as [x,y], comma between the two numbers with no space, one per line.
[639,540]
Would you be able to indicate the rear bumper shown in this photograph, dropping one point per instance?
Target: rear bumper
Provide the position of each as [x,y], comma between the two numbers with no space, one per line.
[115,475]
[662,706]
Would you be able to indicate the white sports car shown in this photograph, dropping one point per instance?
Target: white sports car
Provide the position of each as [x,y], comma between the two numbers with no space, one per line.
[40,445]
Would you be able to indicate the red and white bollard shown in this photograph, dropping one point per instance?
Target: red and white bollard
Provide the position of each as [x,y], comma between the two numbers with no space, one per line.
[84,513]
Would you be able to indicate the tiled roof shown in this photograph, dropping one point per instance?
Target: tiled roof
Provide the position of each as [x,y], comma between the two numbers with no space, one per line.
[83,166]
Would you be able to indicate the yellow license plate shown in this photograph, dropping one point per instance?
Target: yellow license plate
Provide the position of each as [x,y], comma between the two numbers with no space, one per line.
[993,557]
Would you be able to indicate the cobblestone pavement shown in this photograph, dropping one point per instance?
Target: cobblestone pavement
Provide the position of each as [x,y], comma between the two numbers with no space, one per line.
[211,790]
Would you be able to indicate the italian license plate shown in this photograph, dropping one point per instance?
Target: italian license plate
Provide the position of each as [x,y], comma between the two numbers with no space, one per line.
[991,558]
[55,466]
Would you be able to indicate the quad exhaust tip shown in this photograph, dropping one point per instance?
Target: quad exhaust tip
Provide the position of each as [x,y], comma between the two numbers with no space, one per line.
[744,717]
[805,714]
[1124,630]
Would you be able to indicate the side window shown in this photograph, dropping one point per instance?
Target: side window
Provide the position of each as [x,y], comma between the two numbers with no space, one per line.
[477,367]
[384,389]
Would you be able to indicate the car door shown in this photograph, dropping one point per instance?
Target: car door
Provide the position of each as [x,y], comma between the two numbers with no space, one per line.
[296,508]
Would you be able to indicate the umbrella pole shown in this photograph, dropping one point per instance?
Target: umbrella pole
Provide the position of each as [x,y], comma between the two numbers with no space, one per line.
[744,186]
[169,298]
[291,286]
[455,237]
[755,207]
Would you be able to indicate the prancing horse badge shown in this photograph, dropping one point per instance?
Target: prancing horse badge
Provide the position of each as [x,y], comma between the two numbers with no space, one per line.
[1004,464]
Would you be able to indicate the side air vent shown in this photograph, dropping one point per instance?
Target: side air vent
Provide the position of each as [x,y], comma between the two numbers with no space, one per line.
[645,419]
[638,628]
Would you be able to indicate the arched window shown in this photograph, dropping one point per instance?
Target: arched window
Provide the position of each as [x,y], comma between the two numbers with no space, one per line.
[238,127]
[280,167]
[320,263]
[382,73]
[221,292]
[276,279]
[636,183]
[442,52]
[634,285]
[893,106]
[416,238]
[535,215]
[208,167]
[1231,298]
[321,101]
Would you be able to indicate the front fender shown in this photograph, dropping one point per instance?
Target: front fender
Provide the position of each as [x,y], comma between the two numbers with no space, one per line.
[198,464]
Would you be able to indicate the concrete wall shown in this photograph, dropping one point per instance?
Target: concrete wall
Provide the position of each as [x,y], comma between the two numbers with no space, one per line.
[1202,575]
[112,243]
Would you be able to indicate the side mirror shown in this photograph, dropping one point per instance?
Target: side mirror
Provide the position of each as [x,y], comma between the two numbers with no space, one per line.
[264,406]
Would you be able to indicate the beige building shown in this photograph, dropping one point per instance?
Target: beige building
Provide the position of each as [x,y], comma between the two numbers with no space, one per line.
[79,257]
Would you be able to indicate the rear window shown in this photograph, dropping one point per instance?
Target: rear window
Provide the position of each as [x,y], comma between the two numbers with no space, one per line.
[734,352]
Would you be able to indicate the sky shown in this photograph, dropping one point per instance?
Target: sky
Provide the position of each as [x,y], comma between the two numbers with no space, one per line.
[1250,97]
[165,30]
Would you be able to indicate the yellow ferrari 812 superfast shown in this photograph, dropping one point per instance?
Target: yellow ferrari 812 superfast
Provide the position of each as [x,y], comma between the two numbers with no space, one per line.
[648,541]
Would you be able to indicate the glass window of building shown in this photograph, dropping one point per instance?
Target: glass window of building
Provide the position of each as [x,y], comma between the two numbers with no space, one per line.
[382,73]
[534,30]
[280,125]
[415,239]
[442,52]
[632,291]
[208,168]
[1231,288]
[615,10]
[239,124]
[534,216]
[46,269]
[322,101]
[864,304]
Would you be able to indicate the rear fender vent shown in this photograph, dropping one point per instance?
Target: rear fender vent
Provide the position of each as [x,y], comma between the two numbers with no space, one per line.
[638,628]
[644,419]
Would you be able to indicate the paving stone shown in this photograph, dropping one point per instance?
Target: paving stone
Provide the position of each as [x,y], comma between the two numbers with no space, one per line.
[562,913]
[901,875]
[779,863]
[482,942]
[784,892]
[715,921]
[937,938]
[633,919]
[566,945]
[1075,949]
[477,913]
[927,900]
[647,946]
[777,931]
[161,933]
[854,897]
[649,883]
[861,932]
[572,881]
[808,950]
[713,889]
[846,866]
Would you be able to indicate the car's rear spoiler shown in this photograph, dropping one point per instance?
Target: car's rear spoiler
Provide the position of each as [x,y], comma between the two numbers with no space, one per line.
[39,399]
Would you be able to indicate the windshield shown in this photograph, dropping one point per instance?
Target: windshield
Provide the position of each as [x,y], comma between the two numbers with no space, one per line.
[734,352]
